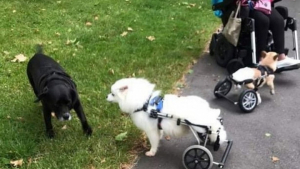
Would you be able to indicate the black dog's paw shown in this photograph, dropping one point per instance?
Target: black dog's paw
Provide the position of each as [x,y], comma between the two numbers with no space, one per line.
[88,131]
[50,133]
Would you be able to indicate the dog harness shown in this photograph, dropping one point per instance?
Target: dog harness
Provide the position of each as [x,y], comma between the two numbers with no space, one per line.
[265,71]
[157,104]
[53,75]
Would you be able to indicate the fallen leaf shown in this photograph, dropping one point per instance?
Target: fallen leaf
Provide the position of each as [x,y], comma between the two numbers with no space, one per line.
[112,71]
[275,159]
[17,163]
[103,160]
[88,24]
[192,5]
[125,166]
[5,52]
[96,18]
[190,71]
[268,134]
[19,58]
[121,136]
[168,138]
[151,38]
[124,33]
[29,161]
[8,117]
[57,34]
[129,29]
[64,127]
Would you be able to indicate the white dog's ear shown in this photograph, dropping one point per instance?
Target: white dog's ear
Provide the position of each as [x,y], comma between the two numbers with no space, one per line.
[122,89]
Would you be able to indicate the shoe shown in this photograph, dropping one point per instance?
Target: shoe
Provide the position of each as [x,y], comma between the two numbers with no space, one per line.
[287,62]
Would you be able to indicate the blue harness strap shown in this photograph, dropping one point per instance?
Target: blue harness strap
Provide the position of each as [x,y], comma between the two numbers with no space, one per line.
[158,102]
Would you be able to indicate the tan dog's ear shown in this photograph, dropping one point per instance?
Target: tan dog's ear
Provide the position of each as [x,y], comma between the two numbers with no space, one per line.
[122,89]
[276,57]
[263,54]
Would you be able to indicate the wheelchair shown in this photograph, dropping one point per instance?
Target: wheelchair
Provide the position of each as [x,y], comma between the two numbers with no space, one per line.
[244,54]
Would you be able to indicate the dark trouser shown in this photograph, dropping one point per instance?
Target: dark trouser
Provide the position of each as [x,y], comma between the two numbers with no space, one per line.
[263,23]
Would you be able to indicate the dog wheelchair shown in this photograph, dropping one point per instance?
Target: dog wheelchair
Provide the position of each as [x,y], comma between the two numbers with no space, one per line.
[244,54]
[248,99]
[198,156]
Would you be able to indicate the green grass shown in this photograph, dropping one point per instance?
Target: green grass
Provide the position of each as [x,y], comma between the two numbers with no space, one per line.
[180,32]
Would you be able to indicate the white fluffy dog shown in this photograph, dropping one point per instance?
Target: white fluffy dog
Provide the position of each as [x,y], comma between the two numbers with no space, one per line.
[132,94]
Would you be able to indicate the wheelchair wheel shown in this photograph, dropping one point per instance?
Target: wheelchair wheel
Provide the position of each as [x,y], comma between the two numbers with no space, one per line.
[212,44]
[222,88]
[224,51]
[234,65]
[248,100]
[197,157]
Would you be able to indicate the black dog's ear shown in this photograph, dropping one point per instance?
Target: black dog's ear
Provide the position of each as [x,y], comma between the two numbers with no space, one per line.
[73,96]
[39,97]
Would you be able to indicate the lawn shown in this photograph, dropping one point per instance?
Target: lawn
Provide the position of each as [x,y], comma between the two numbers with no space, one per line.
[97,42]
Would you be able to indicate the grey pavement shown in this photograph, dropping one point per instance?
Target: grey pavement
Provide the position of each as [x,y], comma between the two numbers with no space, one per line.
[278,115]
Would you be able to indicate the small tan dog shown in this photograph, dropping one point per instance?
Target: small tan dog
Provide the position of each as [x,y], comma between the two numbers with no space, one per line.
[264,73]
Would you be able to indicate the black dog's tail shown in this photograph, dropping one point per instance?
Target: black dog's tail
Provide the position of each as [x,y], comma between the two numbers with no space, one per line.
[39,49]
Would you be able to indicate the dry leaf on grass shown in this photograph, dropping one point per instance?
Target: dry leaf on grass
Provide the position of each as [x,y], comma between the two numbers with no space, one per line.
[275,159]
[52,114]
[57,34]
[88,24]
[64,127]
[103,161]
[5,52]
[151,38]
[96,17]
[125,166]
[19,58]
[17,163]
[192,5]
[129,29]
[124,33]
[111,71]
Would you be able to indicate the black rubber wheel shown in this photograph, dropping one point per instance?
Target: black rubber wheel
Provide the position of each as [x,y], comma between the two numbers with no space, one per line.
[248,100]
[224,51]
[222,87]
[234,65]
[197,157]
[212,44]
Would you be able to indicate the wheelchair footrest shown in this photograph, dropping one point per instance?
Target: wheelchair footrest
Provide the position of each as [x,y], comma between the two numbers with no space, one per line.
[288,68]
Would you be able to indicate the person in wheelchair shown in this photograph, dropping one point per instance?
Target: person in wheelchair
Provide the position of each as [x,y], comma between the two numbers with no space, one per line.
[276,22]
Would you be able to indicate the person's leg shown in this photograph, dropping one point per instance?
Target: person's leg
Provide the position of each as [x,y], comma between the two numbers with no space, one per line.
[261,31]
[277,28]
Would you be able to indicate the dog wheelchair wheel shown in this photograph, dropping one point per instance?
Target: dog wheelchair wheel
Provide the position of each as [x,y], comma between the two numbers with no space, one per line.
[248,100]
[222,88]
[197,157]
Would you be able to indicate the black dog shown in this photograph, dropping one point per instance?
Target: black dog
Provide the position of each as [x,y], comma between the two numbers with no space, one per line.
[55,89]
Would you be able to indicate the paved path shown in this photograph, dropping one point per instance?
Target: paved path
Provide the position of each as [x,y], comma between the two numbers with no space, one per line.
[278,115]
